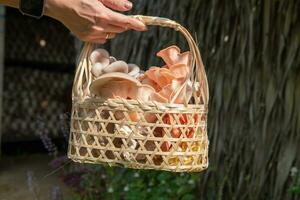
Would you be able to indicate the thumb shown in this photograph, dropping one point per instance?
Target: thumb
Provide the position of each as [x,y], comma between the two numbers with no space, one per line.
[119,5]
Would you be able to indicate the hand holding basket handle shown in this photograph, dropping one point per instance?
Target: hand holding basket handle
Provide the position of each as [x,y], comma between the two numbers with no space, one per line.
[174,138]
[197,72]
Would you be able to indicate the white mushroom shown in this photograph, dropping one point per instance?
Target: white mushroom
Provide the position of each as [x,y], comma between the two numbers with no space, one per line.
[133,70]
[112,59]
[118,66]
[140,74]
[97,86]
[98,54]
[97,69]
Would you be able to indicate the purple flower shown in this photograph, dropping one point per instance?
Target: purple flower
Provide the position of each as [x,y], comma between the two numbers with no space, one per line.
[64,124]
[43,133]
[58,162]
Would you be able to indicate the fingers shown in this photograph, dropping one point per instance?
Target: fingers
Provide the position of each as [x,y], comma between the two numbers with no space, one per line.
[110,28]
[107,21]
[119,5]
[97,37]
[124,21]
[107,36]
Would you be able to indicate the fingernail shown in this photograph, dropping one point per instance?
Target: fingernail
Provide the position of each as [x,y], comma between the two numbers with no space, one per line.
[143,26]
[128,5]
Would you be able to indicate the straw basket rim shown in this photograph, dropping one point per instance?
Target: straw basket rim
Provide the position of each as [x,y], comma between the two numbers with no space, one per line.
[115,102]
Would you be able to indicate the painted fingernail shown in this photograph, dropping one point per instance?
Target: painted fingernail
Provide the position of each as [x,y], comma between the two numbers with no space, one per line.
[128,5]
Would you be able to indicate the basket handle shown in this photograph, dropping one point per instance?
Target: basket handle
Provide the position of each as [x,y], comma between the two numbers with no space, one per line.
[83,76]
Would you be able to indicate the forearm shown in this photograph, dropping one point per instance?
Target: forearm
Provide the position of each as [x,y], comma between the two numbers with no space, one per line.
[10,3]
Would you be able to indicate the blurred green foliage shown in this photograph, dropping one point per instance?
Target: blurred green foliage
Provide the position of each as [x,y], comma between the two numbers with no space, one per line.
[118,183]
[295,182]
[295,189]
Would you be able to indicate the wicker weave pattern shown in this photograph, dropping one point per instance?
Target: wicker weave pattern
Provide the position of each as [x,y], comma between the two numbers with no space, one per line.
[123,132]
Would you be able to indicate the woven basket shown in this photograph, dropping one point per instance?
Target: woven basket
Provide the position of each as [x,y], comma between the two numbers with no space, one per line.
[98,136]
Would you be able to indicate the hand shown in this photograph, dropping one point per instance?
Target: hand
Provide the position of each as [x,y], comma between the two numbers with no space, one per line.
[91,20]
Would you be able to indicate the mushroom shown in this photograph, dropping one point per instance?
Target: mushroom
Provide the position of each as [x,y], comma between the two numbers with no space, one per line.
[171,55]
[117,84]
[133,70]
[97,69]
[118,66]
[112,59]
[99,59]
[144,92]
[99,55]
[114,84]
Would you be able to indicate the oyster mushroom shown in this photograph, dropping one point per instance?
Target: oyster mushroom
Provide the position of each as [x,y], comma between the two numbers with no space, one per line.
[144,92]
[171,55]
[133,70]
[118,66]
[97,69]
[100,55]
[112,59]
[99,59]
[114,84]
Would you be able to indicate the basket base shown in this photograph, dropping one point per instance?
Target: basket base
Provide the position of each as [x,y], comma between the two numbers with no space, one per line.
[170,138]
[183,168]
